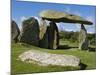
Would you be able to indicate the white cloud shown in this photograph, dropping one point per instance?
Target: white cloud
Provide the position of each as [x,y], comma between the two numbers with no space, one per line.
[60,27]
[78,26]
[20,25]
[58,24]
[90,18]
[37,18]
[91,31]
[23,18]
[68,10]
[26,17]
[68,29]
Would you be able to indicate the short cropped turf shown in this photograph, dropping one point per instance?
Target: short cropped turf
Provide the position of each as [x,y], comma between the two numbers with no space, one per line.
[88,58]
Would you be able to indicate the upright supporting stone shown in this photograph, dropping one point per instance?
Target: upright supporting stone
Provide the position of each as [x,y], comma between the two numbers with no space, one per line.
[30,32]
[43,35]
[53,36]
[14,32]
[83,41]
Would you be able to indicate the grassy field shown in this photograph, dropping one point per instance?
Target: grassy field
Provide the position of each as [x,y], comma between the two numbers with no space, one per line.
[88,58]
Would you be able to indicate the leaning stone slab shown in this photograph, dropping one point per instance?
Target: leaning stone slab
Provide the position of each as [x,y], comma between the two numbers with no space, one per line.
[45,59]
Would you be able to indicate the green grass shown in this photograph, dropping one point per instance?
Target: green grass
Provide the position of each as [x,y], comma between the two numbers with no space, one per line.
[18,67]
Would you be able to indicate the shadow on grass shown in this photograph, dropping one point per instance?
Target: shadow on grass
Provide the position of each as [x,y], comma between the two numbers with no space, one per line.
[82,66]
[63,47]
[66,47]
[92,49]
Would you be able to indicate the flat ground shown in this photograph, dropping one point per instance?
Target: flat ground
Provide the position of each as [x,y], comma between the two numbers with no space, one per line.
[88,58]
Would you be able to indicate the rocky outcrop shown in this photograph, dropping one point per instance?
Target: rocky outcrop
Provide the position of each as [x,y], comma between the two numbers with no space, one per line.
[83,40]
[45,59]
[14,32]
[30,32]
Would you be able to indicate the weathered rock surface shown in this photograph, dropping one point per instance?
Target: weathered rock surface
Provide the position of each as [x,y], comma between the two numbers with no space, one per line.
[43,35]
[83,40]
[57,16]
[53,36]
[30,32]
[49,35]
[14,31]
[45,59]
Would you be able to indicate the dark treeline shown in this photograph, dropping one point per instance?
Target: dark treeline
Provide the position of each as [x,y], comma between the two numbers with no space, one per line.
[74,36]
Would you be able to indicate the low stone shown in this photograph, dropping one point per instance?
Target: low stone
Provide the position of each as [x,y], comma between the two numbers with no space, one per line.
[14,32]
[45,59]
[30,32]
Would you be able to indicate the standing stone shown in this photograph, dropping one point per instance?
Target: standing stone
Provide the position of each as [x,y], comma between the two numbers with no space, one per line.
[83,41]
[43,35]
[30,32]
[14,32]
[53,36]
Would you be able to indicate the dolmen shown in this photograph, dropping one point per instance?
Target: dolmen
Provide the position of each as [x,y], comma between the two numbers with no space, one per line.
[46,35]
[57,17]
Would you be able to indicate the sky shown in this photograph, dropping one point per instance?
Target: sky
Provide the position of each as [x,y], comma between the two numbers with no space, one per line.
[22,10]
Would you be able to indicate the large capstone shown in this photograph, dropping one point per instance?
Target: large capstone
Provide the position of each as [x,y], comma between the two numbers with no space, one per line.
[83,40]
[57,16]
[14,32]
[30,32]
[43,35]
[53,35]
[45,59]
